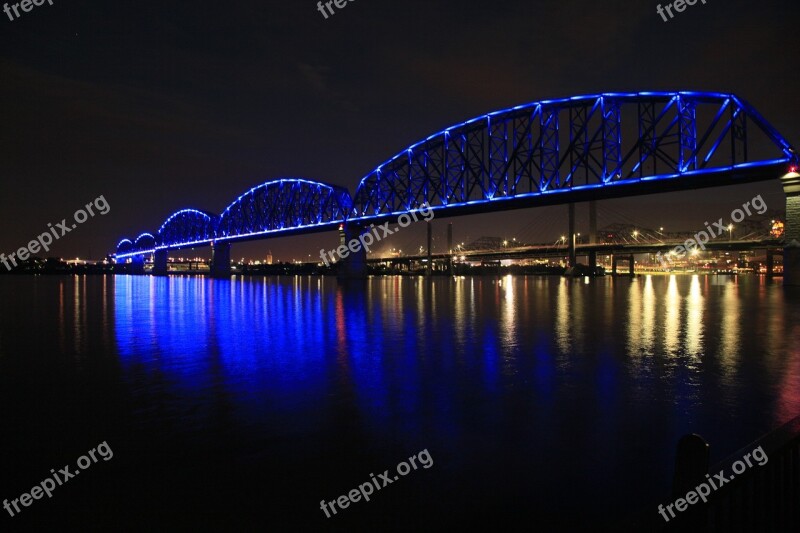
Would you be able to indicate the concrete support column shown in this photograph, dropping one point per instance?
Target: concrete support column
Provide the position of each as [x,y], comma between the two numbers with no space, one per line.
[354,266]
[770,263]
[593,260]
[429,267]
[791,252]
[614,265]
[160,262]
[137,265]
[221,259]
[593,233]
[450,248]
[631,264]
[572,257]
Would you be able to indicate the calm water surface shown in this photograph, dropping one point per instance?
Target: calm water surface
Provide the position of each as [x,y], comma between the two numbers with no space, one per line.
[243,403]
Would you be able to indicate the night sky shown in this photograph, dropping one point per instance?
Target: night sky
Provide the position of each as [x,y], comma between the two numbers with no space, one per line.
[160,106]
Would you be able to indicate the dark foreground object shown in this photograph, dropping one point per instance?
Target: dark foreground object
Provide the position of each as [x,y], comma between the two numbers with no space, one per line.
[762,498]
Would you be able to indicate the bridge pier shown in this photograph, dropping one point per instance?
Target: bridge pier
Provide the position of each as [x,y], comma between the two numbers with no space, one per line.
[160,262]
[770,263]
[593,234]
[593,261]
[137,265]
[354,265]
[221,259]
[450,248]
[631,265]
[429,266]
[572,257]
[791,252]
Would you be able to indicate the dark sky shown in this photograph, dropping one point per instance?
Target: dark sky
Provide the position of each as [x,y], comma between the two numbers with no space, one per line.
[164,105]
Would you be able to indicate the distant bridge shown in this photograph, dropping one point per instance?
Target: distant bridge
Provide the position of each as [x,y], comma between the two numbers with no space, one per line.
[544,153]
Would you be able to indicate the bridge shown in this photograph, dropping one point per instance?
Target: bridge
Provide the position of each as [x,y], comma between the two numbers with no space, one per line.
[617,252]
[578,149]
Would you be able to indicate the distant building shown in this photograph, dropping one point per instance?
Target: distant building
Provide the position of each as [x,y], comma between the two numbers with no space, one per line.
[778,228]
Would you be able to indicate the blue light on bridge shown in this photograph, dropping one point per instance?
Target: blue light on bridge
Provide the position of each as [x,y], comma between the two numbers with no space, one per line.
[508,154]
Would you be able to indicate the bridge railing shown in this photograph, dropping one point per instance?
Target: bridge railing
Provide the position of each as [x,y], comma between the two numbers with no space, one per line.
[764,498]
[760,499]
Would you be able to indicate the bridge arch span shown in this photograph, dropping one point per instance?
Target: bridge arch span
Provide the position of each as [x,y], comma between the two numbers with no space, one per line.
[186,227]
[145,241]
[124,246]
[282,205]
[611,144]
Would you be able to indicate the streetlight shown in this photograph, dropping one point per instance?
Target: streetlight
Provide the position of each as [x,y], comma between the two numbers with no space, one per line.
[730,230]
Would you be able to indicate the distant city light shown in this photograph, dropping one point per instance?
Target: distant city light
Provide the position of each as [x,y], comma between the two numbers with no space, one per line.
[777,229]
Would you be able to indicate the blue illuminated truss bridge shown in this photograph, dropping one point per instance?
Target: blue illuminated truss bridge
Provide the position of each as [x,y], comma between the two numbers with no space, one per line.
[543,153]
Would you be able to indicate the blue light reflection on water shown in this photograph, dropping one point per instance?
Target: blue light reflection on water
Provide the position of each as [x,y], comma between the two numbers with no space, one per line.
[528,371]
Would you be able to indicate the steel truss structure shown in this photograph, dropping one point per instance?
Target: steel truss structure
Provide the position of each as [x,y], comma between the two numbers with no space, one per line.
[286,204]
[274,206]
[559,146]
[542,153]
[186,227]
